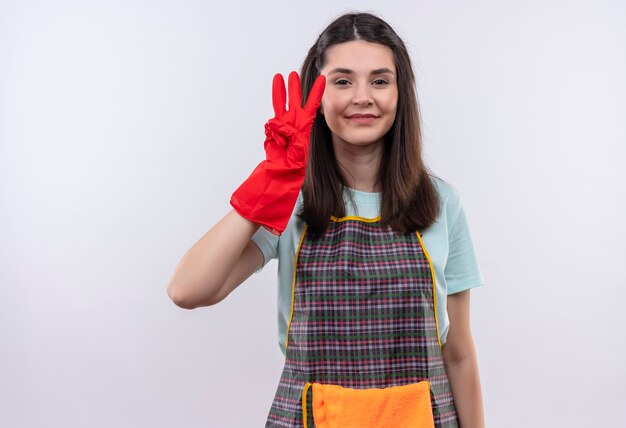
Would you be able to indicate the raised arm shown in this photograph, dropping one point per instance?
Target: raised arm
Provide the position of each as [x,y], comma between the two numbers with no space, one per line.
[221,260]
[225,256]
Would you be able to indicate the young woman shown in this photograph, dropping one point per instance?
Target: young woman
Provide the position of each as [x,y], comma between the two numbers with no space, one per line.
[375,255]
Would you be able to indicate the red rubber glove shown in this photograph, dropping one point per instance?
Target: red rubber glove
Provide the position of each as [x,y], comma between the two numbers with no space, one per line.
[268,196]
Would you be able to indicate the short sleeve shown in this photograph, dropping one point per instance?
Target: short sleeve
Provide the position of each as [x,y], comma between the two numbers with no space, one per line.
[462,270]
[267,243]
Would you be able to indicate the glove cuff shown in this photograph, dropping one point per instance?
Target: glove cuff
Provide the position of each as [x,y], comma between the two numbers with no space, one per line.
[268,196]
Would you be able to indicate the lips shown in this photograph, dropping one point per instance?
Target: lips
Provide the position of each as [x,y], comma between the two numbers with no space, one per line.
[362,116]
[362,119]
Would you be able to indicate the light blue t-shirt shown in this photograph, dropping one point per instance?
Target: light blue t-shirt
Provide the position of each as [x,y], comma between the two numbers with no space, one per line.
[447,241]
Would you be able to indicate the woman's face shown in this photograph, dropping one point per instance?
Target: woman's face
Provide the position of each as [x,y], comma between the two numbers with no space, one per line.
[361,95]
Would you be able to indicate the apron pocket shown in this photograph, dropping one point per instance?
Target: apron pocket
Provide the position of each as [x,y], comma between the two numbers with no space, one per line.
[405,406]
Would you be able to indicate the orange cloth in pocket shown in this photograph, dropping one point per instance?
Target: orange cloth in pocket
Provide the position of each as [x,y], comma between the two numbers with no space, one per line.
[406,406]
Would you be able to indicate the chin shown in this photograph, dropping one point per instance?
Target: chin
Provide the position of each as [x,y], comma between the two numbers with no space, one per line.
[365,140]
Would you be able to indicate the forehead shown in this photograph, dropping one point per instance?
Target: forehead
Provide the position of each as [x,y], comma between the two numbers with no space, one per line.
[358,55]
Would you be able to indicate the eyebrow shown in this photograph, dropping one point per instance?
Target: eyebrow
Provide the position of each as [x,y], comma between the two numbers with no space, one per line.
[348,71]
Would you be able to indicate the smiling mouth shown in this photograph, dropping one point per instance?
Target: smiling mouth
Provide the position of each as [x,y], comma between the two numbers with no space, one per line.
[362,119]
[362,116]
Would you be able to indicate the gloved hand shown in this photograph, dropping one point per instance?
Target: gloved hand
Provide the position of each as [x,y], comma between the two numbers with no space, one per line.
[268,196]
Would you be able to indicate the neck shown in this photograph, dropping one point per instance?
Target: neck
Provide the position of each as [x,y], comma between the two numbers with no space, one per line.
[359,165]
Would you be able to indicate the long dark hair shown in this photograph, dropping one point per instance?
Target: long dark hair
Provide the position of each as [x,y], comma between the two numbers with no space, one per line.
[409,198]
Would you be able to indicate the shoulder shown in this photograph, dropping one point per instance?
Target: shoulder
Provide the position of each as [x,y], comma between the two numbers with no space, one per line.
[291,236]
[447,192]
[449,199]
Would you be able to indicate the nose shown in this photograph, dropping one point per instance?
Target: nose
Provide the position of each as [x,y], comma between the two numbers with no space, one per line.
[362,95]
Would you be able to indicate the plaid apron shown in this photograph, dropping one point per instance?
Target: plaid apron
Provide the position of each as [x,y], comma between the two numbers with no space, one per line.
[363,316]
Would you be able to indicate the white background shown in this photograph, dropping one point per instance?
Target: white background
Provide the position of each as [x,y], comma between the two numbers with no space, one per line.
[126,125]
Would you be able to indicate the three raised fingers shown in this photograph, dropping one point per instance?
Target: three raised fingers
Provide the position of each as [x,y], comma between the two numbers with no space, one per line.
[279,100]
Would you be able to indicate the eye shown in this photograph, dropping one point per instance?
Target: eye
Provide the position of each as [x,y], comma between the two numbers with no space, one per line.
[341,82]
[380,82]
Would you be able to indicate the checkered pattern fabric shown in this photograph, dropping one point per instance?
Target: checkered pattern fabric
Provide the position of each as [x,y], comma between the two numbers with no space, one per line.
[363,317]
